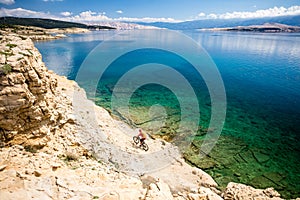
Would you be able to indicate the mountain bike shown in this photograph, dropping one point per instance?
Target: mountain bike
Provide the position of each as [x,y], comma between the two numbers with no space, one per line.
[144,146]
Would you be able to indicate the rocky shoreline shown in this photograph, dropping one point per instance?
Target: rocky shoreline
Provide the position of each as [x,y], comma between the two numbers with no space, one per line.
[57,144]
[40,34]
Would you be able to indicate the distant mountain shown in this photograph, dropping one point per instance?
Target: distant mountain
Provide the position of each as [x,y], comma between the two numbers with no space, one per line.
[196,24]
[222,23]
[46,23]
[125,26]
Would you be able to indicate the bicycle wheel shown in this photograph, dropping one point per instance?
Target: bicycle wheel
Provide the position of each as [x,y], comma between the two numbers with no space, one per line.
[136,139]
[145,146]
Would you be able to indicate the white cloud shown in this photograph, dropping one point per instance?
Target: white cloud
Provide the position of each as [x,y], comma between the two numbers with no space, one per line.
[119,11]
[87,14]
[88,17]
[147,19]
[7,2]
[20,12]
[66,14]
[271,12]
[201,14]
[93,17]
[51,0]
[212,16]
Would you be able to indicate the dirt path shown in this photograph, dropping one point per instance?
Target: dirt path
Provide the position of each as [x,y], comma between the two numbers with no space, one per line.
[104,136]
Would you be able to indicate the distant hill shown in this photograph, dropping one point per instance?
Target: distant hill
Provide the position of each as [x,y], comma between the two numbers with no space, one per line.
[265,28]
[222,23]
[46,23]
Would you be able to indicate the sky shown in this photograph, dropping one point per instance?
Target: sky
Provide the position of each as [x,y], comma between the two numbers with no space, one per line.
[93,11]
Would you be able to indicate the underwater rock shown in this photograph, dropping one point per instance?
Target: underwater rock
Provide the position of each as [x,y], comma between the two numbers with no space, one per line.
[274,176]
[263,182]
[260,157]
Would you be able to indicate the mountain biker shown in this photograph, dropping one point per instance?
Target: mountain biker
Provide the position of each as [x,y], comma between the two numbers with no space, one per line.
[142,136]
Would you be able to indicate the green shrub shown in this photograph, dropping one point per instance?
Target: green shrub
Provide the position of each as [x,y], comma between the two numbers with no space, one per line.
[6,53]
[70,157]
[24,54]
[11,45]
[5,69]
[30,149]
[29,51]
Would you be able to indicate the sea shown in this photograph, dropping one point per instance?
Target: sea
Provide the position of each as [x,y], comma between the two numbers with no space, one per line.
[250,79]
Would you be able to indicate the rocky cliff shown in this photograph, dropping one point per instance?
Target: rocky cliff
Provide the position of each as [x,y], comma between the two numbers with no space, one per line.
[29,109]
[56,144]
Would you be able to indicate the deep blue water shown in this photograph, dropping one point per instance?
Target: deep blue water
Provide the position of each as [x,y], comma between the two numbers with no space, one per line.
[259,144]
[261,70]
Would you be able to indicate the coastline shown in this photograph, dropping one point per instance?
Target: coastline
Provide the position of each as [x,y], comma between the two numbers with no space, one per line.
[41,34]
[80,126]
[265,28]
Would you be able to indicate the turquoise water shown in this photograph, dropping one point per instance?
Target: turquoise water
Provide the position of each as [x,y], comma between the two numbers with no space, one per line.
[259,144]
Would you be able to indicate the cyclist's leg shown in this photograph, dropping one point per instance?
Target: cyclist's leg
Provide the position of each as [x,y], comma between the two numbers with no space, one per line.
[142,140]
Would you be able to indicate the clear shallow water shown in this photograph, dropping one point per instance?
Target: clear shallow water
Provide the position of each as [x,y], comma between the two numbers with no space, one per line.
[259,144]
